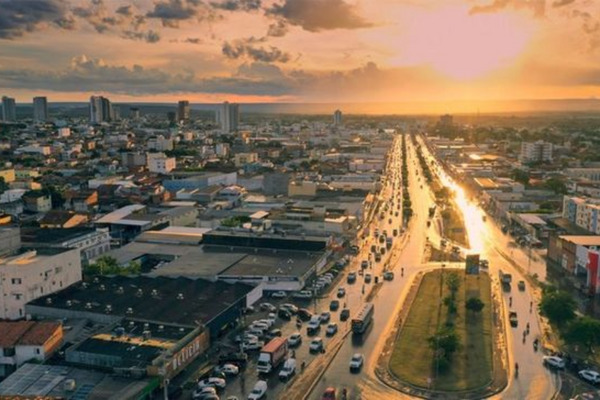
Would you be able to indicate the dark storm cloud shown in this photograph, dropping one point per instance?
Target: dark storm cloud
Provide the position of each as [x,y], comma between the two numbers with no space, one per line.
[172,12]
[20,16]
[149,36]
[238,5]
[537,6]
[319,15]
[248,48]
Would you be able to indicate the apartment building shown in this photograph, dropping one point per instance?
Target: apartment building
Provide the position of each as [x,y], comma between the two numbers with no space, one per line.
[583,212]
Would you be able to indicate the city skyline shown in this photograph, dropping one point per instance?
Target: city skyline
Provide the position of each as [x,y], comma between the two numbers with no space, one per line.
[252,51]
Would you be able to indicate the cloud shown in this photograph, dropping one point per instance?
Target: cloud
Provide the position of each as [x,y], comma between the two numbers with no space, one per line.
[125,10]
[149,36]
[193,40]
[238,5]
[246,48]
[537,6]
[20,16]
[319,15]
[561,3]
[278,29]
[172,12]
[86,74]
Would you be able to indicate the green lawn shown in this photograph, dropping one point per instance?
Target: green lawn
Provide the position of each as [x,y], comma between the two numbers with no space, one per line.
[471,367]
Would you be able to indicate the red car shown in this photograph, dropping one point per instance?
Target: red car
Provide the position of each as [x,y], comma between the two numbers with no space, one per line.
[329,394]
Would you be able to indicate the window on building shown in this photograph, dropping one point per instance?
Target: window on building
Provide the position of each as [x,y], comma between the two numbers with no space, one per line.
[37,351]
[16,281]
[8,351]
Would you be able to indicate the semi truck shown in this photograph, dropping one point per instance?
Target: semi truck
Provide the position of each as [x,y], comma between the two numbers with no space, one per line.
[272,355]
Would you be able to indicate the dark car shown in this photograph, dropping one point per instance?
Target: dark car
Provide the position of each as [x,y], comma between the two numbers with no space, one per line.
[334,305]
[284,314]
[344,314]
[304,314]
[239,359]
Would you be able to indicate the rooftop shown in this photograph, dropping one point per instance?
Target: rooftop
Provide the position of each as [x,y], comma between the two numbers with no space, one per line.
[582,240]
[120,213]
[53,235]
[149,299]
[30,333]
[271,263]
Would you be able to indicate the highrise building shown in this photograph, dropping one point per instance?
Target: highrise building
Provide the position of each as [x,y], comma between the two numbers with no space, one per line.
[40,109]
[229,116]
[134,113]
[101,110]
[9,109]
[337,118]
[183,111]
[539,151]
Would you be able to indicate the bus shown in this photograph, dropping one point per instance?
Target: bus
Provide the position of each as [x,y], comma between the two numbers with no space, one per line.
[363,318]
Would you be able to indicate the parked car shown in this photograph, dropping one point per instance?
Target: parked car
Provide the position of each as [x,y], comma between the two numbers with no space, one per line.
[512,317]
[228,369]
[284,314]
[368,278]
[521,285]
[303,295]
[334,305]
[268,307]
[259,391]
[554,362]
[252,346]
[295,339]
[239,359]
[324,317]
[289,307]
[344,314]
[356,362]
[205,393]
[316,345]
[332,329]
[313,326]
[217,383]
[279,294]
[590,376]
[304,314]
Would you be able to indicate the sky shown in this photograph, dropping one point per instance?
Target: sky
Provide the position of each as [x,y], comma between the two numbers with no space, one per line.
[325,51]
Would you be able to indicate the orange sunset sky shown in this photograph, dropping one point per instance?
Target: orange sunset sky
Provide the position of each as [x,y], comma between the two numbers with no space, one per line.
[300,50]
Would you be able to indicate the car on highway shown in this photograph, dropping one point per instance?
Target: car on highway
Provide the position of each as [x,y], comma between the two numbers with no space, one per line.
[325,317]
[295,339]
[351,278]
[268,307]
[341,292]
[329,394]
[316,345]
[344,314]
[313,326]
[217,383]
[334,305]
[512,317]
[279,295]
[228,369]
[289,307]
[388,276]
[332,329]
[553,362]
[356,362]
[284,314]
[273,333]
[368,278]
[259,391]
[304,314]
[288,370]
[521,285]
[589,376]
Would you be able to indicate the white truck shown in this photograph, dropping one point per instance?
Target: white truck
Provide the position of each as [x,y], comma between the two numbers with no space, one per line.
[289,369]
[272,355]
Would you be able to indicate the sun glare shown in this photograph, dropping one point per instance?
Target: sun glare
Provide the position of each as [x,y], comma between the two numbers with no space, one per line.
[465,46]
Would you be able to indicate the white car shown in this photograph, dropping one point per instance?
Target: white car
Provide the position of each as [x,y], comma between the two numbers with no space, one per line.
[316,345]
[228,369]
[278,295]
[356,362]
[292,309]
[289,369]
[295,339]
[217,383]
[252,346]
[331,329]
[259,391]
[590,376]
[204,393]
[554,362]
[271,318]
[268,307]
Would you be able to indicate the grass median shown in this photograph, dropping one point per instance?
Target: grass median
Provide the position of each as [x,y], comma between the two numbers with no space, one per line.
[470,367]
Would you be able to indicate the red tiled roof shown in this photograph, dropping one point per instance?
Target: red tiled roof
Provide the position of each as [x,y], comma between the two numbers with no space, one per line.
[30,333]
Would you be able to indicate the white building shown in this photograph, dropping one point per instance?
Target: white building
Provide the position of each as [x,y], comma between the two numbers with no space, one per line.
[34,149]
[160,143]
[337,118]
[591,174]
[161,164]
[33,274]
[539,151]
[229,116]
[64,132]
[584,213]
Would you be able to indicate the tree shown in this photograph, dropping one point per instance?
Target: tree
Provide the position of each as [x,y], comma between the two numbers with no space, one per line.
[453,283]
[520,176]
[557,185]
[474,304]
[558,306]
[445,342]
[584,331]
